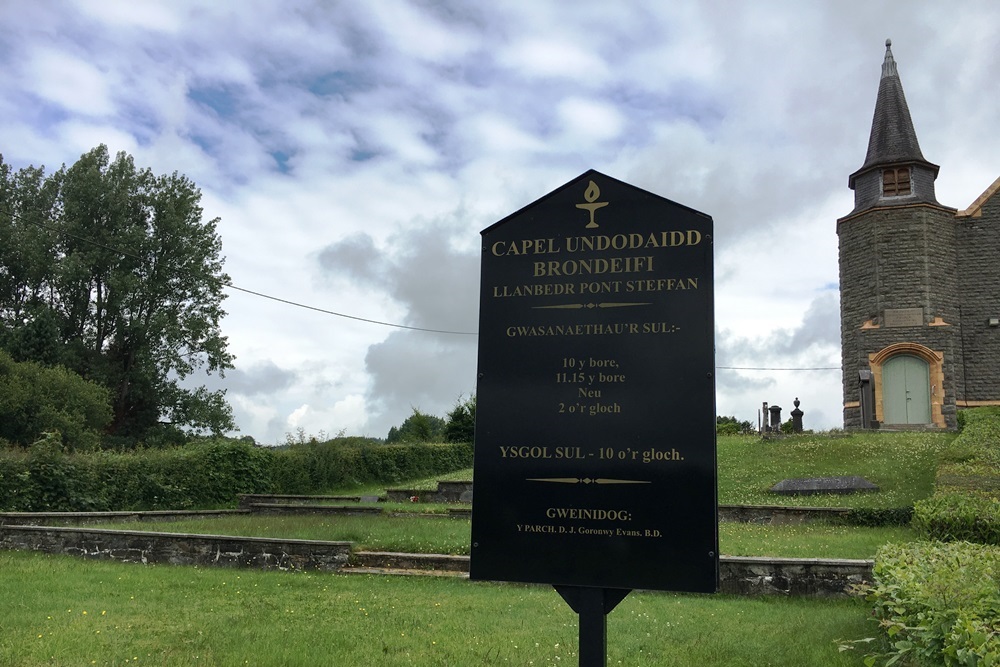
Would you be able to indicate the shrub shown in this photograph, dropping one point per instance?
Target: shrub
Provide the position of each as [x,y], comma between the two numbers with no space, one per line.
[732,426]
[13,480]
[966,500]
[319,467]
[418,427]
[35,399]
[209,473]
[938,603]
[875,517]
[958,516]
[461,425]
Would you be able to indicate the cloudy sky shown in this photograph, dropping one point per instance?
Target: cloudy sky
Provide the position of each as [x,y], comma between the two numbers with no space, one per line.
[354,151]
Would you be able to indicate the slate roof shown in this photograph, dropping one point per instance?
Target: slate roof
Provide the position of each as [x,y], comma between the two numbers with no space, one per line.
[893,139]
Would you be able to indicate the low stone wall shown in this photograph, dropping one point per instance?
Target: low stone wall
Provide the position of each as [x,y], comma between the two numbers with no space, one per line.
[738,575]
[84,518]
[814,577]
[447,492]
[776,515]
[279,504]
[178,549]
[248,500]
[389,560]
[355,510]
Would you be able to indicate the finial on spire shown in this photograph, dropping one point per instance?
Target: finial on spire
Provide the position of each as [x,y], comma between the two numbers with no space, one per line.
[889,64]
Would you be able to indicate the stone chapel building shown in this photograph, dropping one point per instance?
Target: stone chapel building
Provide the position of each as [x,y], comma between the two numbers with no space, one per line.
[919,284]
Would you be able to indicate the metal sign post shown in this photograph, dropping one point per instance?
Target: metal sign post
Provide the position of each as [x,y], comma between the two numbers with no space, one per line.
[593,605]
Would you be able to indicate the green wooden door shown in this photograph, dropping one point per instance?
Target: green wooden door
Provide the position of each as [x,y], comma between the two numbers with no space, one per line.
[906,396]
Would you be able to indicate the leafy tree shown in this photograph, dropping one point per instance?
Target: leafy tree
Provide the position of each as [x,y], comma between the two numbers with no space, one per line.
[418,427]
[461,426]
[36,400]
[111,271]
[732,426]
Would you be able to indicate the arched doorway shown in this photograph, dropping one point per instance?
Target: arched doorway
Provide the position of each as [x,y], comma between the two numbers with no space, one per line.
[902,367]
[906,397]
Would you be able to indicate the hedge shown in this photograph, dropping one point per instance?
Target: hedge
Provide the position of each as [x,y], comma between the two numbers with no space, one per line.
[954,516]
[206,474]
[939,603]
[966,500]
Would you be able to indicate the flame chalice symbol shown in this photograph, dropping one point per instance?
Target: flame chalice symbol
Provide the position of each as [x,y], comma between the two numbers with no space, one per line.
[591,195]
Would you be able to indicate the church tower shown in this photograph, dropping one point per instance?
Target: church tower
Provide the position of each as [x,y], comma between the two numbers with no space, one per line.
[899,284]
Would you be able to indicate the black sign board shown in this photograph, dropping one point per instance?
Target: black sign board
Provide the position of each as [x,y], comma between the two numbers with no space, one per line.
[595,426]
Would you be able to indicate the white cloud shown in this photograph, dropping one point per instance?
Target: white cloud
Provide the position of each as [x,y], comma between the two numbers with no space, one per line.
[126,14]
[547,58]
[72,83]
[294,420]
[587,120]
[384,136]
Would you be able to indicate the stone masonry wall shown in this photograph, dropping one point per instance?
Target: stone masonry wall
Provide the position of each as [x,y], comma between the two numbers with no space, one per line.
[737,575]
[896,258]
[177,549]
[979,278]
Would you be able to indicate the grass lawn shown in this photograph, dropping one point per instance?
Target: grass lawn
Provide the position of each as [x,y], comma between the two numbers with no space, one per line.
[452,536]
[66,611]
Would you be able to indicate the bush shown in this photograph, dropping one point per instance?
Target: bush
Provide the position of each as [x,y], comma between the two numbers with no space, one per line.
[958,516]
[35,399]
[872,517]
[209,473]
[938,603]
[461,424]
[732,426]
[318,467]
[418,427]
[13,480]
[966,500]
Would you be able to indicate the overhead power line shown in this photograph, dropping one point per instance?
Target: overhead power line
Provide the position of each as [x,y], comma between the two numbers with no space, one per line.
[325,311]
[126,253]
[351,317]
[759,368]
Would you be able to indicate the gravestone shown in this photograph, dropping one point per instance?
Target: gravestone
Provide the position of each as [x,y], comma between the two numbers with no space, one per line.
[817,485]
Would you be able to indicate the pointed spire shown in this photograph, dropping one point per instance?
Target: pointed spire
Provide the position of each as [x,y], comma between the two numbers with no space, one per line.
[892,145]
[889,65]
[893,138]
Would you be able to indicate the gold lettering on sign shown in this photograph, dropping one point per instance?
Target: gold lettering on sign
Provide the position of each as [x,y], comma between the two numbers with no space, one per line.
[591,195]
